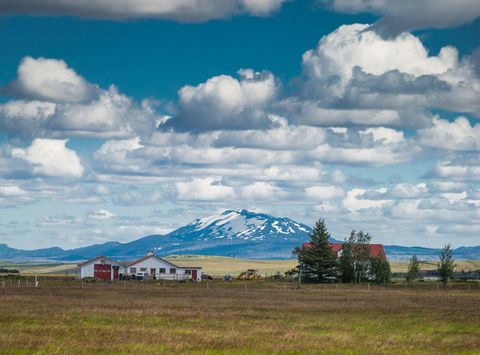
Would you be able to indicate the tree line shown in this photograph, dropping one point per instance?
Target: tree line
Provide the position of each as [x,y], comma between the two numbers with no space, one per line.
[317,262]
[445,266]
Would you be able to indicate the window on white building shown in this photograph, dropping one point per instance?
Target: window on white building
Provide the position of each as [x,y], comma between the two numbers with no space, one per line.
[133,270]
[173,271]
[161,270]
[143,269]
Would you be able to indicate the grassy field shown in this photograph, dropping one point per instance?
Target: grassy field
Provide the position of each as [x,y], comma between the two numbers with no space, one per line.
[262,318]
[466,265]
[216,265]
[40,268]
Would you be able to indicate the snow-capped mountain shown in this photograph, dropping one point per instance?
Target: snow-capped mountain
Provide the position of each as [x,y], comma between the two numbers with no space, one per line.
[242,225]
[236,233]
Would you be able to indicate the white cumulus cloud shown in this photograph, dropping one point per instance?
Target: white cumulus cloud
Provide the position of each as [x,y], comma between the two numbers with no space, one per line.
[351,46]
[225,102]
[203,189]
[51,157]
[262,191]
[325,192]
[457,135]
[51,79]
[56,102]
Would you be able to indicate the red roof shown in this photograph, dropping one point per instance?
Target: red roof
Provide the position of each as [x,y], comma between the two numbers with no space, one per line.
[376,250]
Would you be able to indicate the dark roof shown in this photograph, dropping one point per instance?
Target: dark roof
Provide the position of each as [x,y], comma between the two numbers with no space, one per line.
[376,250]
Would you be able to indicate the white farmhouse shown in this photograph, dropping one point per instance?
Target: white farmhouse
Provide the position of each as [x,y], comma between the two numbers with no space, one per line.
[149,267]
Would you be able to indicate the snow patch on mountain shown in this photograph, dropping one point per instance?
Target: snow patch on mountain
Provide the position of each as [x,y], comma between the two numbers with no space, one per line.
[242,225]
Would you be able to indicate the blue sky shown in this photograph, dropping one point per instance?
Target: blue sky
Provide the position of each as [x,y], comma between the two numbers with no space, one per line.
[117,124]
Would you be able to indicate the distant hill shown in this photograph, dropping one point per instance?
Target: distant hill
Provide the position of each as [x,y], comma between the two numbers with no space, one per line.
[233,233]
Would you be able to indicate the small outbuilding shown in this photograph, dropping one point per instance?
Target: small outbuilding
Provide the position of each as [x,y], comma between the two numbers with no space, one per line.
[148,267]
[102,268]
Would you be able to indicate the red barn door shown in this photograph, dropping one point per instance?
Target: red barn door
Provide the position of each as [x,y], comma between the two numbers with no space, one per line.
[102,271]
[194,275]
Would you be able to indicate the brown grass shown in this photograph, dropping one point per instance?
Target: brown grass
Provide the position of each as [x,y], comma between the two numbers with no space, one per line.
[227,318]
[218,265]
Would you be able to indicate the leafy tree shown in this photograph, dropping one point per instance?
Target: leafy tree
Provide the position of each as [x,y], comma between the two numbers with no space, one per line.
[446,265]
[413,269]
[346,262]
[292,273]
[361,254]
[317,261]
[380,269]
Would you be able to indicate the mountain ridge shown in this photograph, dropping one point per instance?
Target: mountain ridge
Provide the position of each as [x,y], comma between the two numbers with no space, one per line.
[233,233]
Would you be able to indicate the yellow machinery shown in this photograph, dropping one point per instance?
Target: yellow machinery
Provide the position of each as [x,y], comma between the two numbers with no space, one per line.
[250,274]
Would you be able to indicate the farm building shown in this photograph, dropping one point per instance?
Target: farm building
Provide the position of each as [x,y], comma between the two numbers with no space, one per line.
[101,267]
[376,250]
[148,267]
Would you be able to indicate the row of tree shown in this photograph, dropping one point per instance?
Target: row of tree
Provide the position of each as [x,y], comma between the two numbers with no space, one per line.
[445,266]
[318,262]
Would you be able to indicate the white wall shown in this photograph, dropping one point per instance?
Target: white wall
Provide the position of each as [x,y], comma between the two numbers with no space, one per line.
[88,269]
[199,272]
[157,263]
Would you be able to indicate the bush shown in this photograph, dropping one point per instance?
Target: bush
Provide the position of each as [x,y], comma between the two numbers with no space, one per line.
[9,271]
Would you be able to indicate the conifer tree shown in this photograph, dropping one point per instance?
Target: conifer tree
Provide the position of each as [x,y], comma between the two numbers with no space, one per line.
[317,261]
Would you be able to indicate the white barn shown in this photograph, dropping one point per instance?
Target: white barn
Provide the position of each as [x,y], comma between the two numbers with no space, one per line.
[101,267]
[149,267]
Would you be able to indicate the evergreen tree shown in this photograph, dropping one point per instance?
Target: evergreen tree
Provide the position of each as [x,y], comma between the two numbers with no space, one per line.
[317,261]
[346,262]
[413,269]
[446,265]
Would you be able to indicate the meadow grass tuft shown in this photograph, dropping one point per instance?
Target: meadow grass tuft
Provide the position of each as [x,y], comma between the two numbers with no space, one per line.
[265,318]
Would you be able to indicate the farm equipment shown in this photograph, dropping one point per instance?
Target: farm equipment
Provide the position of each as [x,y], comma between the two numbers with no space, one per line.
[250,274]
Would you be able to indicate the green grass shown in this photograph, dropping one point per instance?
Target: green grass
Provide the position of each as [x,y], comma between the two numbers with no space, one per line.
[226,318]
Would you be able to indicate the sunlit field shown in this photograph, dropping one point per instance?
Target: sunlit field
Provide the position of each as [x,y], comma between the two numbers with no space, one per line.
[239,317]
[218,265]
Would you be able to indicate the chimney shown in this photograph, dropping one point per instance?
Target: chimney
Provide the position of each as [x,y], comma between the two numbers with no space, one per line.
[150,253]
